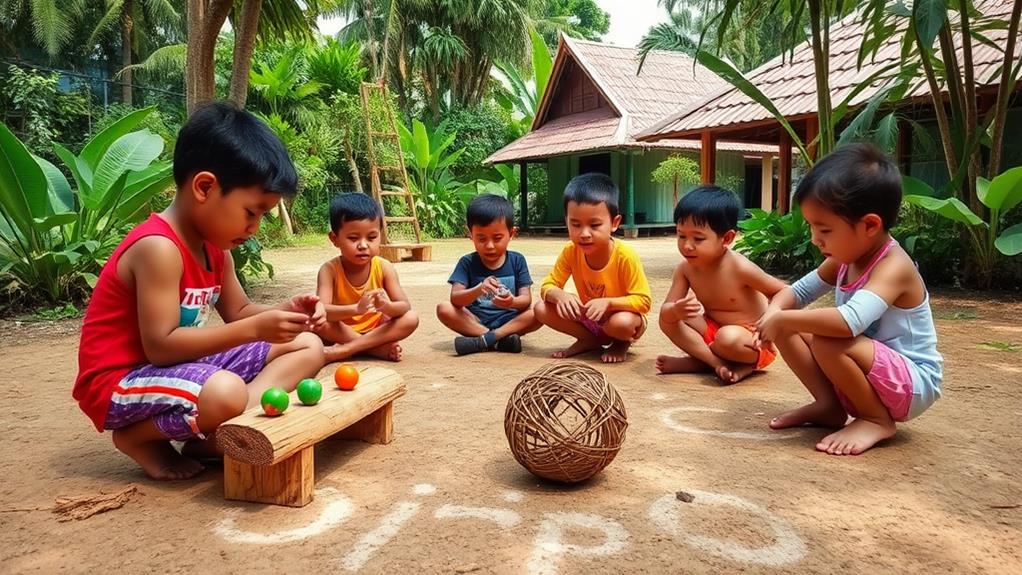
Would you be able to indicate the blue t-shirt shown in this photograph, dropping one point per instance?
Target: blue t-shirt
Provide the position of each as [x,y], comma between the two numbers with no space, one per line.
[470,272]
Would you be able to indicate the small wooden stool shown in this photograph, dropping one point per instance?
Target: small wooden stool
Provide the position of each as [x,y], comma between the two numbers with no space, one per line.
[397,252]
[269,459]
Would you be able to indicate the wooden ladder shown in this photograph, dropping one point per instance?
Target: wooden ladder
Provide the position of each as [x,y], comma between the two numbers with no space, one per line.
[393,251]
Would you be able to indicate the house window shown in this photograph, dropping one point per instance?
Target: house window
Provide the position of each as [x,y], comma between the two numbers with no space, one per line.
[599,163]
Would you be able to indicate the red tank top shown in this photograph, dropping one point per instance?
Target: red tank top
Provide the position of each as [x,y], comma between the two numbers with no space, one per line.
[111,344]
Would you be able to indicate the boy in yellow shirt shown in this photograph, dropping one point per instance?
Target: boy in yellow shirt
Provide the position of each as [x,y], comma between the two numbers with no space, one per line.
[367,311]
[609,312]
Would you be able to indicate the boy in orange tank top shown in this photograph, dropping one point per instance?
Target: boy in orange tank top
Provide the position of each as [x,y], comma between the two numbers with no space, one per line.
[367,310]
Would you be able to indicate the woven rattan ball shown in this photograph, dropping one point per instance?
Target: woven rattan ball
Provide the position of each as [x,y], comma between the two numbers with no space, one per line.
[565,422]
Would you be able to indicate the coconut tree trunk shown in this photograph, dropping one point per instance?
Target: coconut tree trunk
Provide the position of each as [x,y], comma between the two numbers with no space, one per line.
[818,22]
[349,155]
[205,18]
[127,25]
[244,47]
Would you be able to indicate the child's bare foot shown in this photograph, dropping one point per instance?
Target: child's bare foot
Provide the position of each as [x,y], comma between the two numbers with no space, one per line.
[616,352]
[731,374]
[856,437]
[389,351]
[580,346]
[336,352]
[671,364]
[815,413]
[158,459]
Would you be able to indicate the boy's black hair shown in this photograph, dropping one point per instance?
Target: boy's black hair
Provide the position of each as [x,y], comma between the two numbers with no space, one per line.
[236,147]
[485,209]
[593,188]
[353,206]
[710,206]
[853,181]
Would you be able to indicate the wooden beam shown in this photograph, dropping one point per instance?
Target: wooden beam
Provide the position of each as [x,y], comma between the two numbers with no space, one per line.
[708,157]
[784,173]
[523,195]
[766,192]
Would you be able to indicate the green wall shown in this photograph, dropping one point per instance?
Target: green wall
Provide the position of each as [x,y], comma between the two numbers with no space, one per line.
[652,199]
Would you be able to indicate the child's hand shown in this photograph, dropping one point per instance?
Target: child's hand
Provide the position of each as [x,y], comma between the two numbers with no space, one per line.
[682,309]
[597,308]
[367,303]
[504,299]
[568,306]
[302,303]
[318,318]
[491,285]
[768,328]
[280,326]
[383,302]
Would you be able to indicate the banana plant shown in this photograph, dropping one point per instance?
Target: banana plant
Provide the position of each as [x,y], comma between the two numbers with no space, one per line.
[1000,195]
[54,239]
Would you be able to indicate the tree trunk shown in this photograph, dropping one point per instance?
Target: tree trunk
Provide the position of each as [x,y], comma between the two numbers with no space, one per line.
[1004,90]
[205,19]
[822,67]
[244,47]
[127,24]
[950,157]
[352,164]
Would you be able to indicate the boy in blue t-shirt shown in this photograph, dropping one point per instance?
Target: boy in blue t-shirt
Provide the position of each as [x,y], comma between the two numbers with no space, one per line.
[496,310]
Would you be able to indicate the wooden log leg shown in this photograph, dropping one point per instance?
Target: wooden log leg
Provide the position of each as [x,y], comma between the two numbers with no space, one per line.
[377,427]
[390,253]
[289,482]
[423,254]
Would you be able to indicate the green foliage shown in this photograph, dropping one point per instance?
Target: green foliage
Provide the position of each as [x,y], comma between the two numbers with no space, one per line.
[933,242]
[66,311]
[165,124]
[39,113]
[439,198]
[576,18]
[1000,196]
[248,262]
[54,240]
[515,94]
[337,66]
[481,130]
[677,169]
[780,244]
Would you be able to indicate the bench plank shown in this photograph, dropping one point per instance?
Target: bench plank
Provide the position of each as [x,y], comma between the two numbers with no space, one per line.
[254,438]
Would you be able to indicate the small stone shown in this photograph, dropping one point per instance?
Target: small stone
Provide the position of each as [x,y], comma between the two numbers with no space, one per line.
[684,496]
[467,568]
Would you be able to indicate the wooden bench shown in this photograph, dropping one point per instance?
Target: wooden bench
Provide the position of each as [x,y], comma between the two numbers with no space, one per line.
[269,459]
[397,252]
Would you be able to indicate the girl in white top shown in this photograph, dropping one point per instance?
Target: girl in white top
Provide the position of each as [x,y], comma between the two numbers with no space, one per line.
[874,356]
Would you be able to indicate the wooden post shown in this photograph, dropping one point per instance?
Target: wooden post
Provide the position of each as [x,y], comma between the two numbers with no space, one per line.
[708,157]
[766,192]
[784,173]
[523,195]
[289,482]
[630,231]
[812,131]
[377,427]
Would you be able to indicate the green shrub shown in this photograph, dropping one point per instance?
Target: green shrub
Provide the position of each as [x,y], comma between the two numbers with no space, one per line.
[778,244]
[40,114]
[481,130]
[248,262]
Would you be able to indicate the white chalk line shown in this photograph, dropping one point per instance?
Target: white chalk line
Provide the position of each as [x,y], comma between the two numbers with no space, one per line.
[548,547]
[787,548]
[387,529]
[503,517]
[336,511]
[423,489]
[512,496]
[667,416]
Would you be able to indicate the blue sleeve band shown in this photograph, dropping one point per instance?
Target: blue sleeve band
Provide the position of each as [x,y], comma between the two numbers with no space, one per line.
[861,310]
[809,288]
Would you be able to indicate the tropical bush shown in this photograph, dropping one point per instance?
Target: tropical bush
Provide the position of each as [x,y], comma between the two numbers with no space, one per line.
[54,239]
[39,113]
[480,131]
[778,243]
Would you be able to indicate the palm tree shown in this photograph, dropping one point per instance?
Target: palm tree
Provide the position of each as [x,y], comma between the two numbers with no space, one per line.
[137,22]
[50,23]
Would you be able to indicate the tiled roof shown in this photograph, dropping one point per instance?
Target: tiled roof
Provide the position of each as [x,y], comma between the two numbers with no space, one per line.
[790,84]
[667,80]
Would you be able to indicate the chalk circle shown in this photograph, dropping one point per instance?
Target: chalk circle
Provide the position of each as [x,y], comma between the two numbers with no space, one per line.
[512,496]
[667,416]
[658,396]
[337,509]
[788,547]
[549,546]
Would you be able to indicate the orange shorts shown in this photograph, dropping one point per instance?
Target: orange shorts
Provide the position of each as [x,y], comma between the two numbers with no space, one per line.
[767,353]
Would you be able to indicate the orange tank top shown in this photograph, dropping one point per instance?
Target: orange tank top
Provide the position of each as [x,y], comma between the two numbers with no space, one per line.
[347,294]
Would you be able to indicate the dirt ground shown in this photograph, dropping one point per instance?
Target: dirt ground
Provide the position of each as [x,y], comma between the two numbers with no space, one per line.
[446,496]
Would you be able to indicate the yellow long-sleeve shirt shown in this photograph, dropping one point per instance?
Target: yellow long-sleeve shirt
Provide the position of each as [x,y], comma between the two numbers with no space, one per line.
[623,276]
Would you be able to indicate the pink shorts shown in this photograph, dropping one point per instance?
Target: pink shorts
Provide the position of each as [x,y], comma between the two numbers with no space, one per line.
[891,380]
[597,328]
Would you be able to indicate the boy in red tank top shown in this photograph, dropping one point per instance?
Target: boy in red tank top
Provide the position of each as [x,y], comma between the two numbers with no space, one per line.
[148,369]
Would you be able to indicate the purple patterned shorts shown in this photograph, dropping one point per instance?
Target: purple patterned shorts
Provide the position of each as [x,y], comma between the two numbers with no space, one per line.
[170,395]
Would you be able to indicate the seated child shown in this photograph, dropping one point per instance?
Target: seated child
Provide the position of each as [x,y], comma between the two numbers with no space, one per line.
[732,291]
[147,368]
[366,309]
[874,356]
[609,312]
[497,310]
